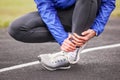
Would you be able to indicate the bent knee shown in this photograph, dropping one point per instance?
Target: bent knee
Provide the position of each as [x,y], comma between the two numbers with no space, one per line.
[14,31]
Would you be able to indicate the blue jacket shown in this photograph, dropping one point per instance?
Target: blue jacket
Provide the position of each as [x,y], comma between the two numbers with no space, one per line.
[47,10]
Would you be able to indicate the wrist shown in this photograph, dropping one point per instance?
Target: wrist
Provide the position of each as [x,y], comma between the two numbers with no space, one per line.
[94,32]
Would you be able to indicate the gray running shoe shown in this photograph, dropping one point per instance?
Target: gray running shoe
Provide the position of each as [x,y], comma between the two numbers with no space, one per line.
[54,61]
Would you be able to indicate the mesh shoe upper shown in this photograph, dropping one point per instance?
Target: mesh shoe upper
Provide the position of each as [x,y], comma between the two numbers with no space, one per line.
[55,61]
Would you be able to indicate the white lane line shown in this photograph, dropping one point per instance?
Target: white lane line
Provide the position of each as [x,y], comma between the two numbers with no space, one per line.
[101,47]
[19,66]
[37,62]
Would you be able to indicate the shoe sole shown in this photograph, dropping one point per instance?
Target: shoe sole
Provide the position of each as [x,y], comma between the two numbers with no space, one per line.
[51,69]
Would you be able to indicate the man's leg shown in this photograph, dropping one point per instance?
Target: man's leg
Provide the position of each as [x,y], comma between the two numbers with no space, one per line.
[30,28]
[83,15]
[80,16]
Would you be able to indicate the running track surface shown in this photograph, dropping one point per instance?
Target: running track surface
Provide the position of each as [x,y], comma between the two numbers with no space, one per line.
[101,64]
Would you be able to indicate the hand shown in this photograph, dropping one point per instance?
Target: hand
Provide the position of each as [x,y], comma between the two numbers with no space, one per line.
[89,34]
[67,45]
[81,40]
[77,41]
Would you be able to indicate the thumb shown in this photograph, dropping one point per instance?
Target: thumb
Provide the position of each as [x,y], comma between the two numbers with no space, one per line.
[69,36]
[85,33]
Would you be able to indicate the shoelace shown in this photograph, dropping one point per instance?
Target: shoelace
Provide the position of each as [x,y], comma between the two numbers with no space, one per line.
[58,58]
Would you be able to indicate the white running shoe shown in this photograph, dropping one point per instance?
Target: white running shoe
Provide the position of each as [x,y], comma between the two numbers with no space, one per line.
[73,57]
[60,60]
[54,61]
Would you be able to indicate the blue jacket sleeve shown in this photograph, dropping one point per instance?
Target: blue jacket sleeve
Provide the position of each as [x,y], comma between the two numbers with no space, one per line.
[107,6]
[49,16]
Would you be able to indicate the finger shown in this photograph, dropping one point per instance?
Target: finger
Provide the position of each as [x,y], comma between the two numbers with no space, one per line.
[85,33]
[78,37]
[79,44]
[67,45]
[69,36]
[76,40]
[66,48]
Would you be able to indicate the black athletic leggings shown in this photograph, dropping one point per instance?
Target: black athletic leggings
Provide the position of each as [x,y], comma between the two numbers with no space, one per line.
[31,29]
